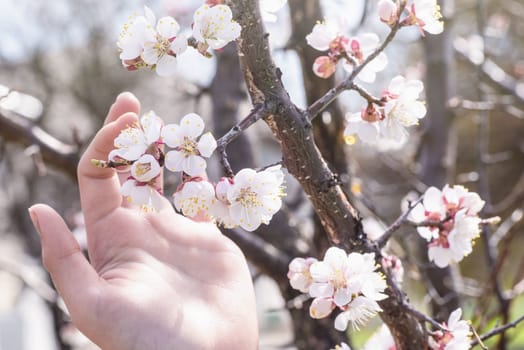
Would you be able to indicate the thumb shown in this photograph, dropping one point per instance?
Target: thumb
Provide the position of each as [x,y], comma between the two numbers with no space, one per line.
[75,279]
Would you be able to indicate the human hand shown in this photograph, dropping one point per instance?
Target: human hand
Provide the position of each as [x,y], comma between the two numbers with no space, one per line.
[156,280]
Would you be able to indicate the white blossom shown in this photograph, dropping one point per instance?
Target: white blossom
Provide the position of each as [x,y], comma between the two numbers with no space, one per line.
[135,33]
[189,150]
[426,14]
[348,282]
[403,109]
[387,11]
[450,222]
[255,197]
[161,52]
[299,275]
[137,140]
[322,35]
[457,335]
[141,190]
[194,198]
[214,26]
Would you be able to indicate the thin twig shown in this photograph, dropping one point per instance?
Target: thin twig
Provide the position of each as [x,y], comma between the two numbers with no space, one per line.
[323,102]
[498,330]
[365,94]
[423,317]
[396,225]
[258,112]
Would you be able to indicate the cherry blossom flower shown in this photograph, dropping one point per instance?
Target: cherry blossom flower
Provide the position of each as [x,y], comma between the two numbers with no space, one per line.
[145,43]
[321,308]
[137,140]
[348,282]
[133,35]
[161,52]
[220,204]
[426,15]
[451,222]
[402,109]
[194,198]
[268,8]
[140,189]
[322,35]
[352,51]
[299,275]
[381,340]
[387,11]
[255,197]
[457,335]
[214,27]
[189,150]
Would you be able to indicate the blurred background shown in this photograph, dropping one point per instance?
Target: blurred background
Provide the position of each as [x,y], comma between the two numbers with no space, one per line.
[60,72]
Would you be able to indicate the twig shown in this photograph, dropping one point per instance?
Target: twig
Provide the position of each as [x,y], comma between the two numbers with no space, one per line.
[365,94]
[396,225]
[21,130]
[423,317]
[258,112]
[498,330]
[322,103]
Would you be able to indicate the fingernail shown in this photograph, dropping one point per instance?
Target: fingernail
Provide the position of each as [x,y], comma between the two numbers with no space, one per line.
[122,94]
[34,219]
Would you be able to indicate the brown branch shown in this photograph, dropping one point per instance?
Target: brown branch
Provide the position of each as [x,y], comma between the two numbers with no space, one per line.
[498,330]
[258,112]
[15,128]
[292,128]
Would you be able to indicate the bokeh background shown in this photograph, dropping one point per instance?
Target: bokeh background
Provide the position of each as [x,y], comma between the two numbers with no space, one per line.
[60,72]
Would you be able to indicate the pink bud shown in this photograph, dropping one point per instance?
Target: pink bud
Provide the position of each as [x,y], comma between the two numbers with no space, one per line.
[324,67]
[387,11]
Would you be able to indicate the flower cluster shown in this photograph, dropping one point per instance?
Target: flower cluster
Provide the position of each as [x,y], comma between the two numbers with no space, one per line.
[145,42]
[425,14]
[140,146]
[400,108]
[449,221]
[248,200]
[455,336]
[348,282]
[341,48]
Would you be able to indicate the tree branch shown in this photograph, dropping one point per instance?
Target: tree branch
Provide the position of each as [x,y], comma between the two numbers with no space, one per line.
[16,128]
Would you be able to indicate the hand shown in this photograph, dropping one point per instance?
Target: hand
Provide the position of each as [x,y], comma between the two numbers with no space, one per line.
[156,280]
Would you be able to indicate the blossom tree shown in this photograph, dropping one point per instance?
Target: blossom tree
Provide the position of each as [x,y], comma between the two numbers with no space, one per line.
[348,274]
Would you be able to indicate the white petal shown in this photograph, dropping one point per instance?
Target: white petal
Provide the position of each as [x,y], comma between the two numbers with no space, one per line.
[194,165]
[207,144]
[167,27]
[191,125]
[174,160]
[336,258]
[150,16]
[172,135]
[320,308]
[166,66]
[321,290]
[152,125]
[145,168]
[150,54]
[179,45]
[341,322]
[342,297]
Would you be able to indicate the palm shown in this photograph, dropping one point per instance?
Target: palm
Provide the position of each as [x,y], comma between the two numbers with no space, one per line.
[157,280]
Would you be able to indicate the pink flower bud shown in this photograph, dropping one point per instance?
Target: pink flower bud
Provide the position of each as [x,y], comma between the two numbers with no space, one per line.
[387,11]
[324,67]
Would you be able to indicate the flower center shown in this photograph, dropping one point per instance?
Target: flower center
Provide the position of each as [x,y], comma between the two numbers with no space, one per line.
[142,168]
[248,198]
[162,46]
[189,147]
